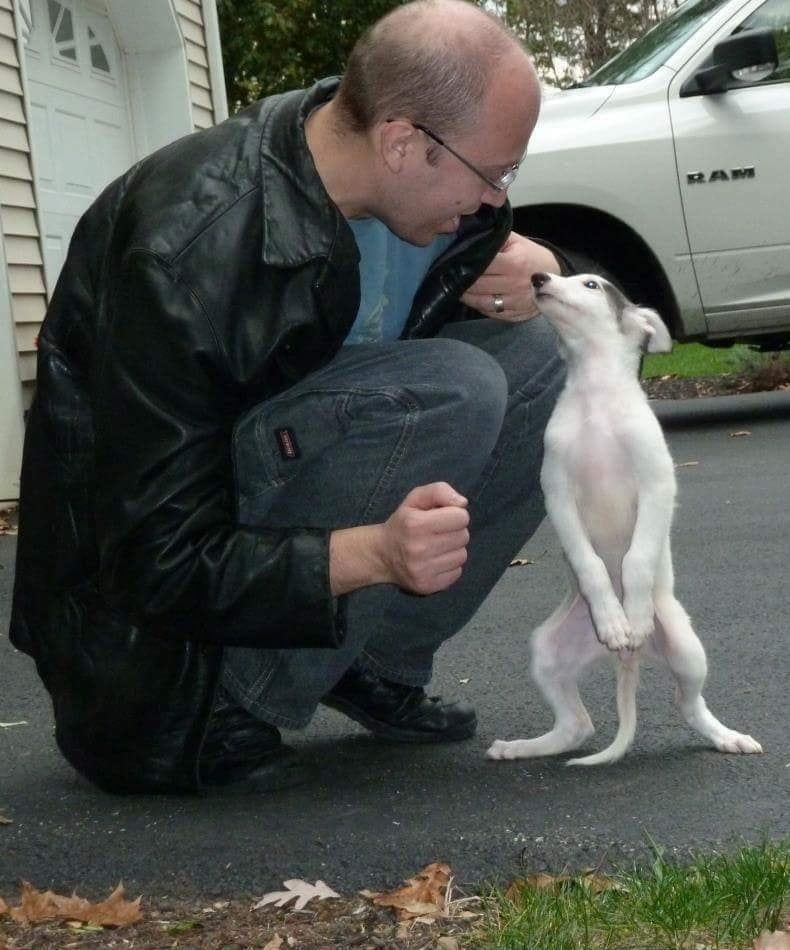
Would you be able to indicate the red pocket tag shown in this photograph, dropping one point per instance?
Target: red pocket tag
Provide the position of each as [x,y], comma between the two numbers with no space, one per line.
[286,442]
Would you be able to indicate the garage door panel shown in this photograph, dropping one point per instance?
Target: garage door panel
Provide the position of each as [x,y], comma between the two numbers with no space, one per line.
[41,133]
[73,136]
[56,226]
[112,149]
[80,126]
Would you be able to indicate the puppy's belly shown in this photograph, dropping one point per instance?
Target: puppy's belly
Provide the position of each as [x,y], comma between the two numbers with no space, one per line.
[609,520]
[606,498]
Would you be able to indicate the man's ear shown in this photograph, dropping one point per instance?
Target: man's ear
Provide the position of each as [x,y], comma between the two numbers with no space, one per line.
[644,325]
[395,138]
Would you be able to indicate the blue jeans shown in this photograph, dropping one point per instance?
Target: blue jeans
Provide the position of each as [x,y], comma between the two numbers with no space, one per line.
[468,407]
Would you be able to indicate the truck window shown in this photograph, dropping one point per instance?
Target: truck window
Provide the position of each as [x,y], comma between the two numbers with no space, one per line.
[773,15]
[645,55]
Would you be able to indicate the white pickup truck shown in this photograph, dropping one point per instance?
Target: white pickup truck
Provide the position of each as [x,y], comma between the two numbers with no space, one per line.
[669,168]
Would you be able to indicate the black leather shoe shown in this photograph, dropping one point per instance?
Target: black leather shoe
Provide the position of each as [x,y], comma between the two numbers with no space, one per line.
[397,712]
[238,746]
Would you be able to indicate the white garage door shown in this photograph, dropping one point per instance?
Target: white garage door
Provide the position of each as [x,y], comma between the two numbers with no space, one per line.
[79,115]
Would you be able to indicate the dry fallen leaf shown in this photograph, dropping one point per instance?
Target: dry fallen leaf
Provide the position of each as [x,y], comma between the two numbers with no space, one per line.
[600,882]
[83,927]
[301,891]
[539,882]
[685,464]
[6,525]
[446,943]
[9,725]
[542,881]
[275,943]
[736,435]
[4,820]
[778,940]
[424,895]
[38,906]
[526,561]
[3,907]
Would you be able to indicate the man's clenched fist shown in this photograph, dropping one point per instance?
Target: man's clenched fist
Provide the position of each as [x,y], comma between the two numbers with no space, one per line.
[426,539]
[421,547]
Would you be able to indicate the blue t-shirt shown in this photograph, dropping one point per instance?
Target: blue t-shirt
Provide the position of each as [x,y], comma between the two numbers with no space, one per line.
[390,272]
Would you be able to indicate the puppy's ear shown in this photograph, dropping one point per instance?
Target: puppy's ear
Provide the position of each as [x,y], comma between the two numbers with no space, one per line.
[647,329]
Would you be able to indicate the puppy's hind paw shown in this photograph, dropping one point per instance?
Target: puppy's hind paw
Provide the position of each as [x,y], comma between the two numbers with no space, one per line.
[517,749]
[500,750]
[737,743]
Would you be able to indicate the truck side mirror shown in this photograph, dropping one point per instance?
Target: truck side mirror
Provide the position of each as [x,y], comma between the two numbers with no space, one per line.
[753,52]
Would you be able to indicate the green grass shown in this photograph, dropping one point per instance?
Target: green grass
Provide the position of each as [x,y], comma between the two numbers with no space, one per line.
[715,902]
[695,359]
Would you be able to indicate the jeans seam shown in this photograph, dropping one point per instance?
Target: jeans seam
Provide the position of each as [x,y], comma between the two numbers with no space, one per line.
[527,395]
[257,686]
[401,674]
[397,455]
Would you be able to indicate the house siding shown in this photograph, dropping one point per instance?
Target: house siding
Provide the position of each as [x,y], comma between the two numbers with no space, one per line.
[25,266]
[190,16]
[20,233]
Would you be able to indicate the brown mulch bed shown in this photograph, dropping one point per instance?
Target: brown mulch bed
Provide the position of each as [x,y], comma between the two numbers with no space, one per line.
[676,387]
[772,374]
[234,925]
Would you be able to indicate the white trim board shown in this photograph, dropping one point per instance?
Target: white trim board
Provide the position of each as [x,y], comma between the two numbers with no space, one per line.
[12,428]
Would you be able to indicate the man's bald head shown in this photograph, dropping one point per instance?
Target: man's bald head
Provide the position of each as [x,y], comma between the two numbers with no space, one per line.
[431,61]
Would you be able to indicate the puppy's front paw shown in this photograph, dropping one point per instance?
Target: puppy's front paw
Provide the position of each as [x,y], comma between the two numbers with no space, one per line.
[641,620]
[611,625]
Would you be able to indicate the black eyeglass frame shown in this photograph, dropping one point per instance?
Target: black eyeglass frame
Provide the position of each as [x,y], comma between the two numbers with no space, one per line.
[506,179]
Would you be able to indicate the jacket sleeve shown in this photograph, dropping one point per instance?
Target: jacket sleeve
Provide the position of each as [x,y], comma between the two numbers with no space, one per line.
[171,554]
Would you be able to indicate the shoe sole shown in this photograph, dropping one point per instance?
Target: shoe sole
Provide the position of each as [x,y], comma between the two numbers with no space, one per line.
[282,769]
[285,773]
[384,730]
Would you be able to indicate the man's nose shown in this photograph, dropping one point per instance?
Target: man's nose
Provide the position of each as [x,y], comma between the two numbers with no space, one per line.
[538,280]
[496,197]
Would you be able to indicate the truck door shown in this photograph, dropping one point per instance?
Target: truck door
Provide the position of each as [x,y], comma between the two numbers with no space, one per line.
[733,160]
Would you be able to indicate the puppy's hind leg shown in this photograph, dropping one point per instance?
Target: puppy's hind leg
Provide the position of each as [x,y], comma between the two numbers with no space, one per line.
[561,648]
[681,648]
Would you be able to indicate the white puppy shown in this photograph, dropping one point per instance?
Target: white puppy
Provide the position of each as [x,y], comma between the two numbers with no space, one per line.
[609,484]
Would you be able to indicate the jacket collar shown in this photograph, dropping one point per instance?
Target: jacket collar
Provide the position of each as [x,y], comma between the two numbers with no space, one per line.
[300,221]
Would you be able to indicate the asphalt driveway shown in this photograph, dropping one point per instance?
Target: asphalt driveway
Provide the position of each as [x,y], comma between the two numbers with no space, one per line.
[378,812]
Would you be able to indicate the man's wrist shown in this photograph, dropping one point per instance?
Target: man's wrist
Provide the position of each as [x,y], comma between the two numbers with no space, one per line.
[356,558]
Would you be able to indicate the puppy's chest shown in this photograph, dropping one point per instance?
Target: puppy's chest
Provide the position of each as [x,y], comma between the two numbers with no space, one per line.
[593,446]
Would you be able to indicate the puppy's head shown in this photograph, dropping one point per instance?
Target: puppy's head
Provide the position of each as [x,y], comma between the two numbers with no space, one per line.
[587,309]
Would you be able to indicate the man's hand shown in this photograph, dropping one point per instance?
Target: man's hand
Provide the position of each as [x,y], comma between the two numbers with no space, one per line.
[508,277]
[421,547]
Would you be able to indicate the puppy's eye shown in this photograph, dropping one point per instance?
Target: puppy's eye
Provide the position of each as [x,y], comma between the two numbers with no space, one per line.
[592,285]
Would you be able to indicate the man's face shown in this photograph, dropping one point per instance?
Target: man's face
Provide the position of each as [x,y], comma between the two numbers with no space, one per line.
[437,188]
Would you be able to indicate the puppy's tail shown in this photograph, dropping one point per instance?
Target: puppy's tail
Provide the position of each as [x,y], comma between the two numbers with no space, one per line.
[627,683]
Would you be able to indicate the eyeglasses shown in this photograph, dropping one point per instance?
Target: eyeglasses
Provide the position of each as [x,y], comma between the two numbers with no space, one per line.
[502,183]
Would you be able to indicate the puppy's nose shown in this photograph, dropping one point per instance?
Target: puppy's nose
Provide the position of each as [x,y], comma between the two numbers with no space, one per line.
[538,280]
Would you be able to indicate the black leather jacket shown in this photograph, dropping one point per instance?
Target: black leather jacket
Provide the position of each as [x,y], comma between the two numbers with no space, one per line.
[210,277]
